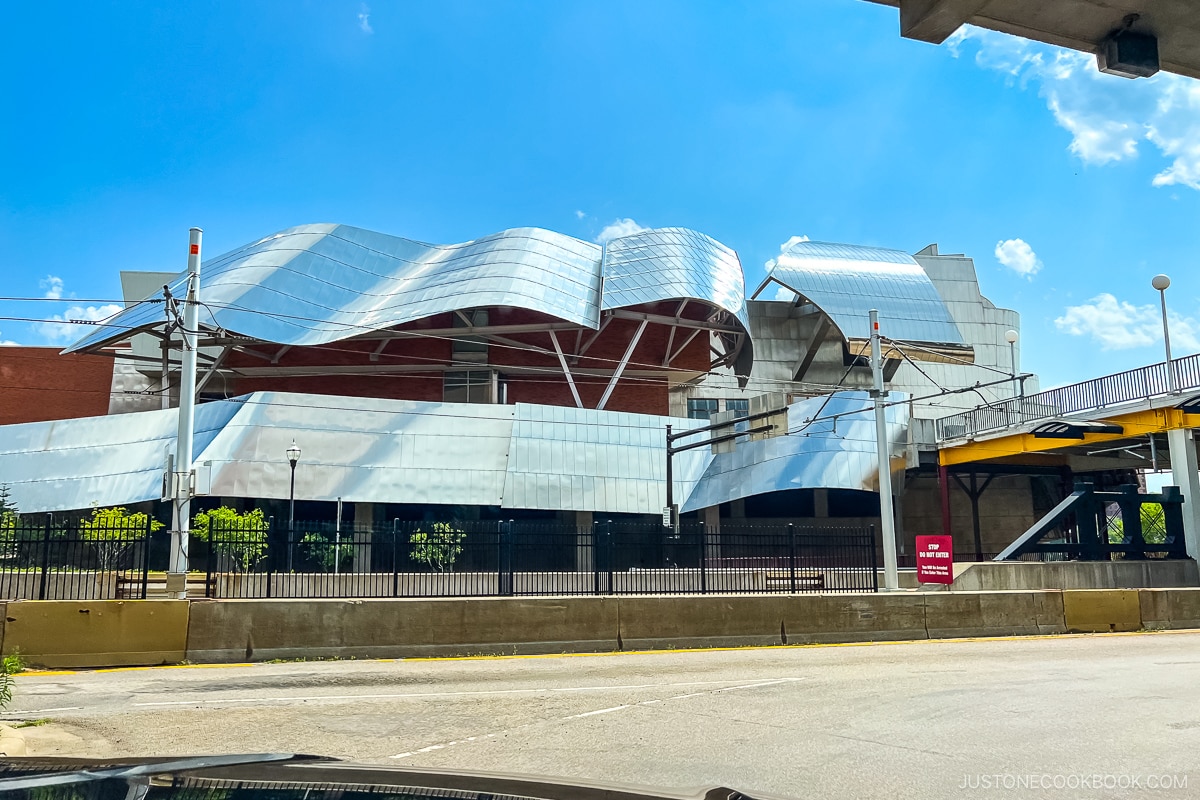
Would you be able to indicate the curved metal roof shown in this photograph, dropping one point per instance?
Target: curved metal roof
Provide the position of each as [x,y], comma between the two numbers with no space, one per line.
[317,284]
[670,263]
[847,281]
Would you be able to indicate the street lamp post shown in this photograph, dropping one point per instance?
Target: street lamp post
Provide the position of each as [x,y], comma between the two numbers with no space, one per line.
[1011,336]
[293,456]
[1161,283]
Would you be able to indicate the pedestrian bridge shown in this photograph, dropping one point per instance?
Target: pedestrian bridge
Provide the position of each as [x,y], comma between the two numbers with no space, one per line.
[1140,419]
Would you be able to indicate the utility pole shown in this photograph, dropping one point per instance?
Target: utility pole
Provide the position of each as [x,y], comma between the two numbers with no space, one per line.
[181,517]
[891,576]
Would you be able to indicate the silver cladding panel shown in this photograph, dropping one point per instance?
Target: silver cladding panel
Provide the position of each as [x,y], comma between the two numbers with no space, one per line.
[317,284]
[395,451]
[847,281]
[674,263]
[585,460]
[826,453]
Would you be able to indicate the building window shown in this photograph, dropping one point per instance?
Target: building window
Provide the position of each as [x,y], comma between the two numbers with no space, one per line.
[474,386]
[470,348]
[742,407]
[701,408]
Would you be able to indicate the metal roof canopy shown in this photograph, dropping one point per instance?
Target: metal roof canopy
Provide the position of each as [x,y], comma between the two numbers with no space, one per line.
[846,281]
[1076,24]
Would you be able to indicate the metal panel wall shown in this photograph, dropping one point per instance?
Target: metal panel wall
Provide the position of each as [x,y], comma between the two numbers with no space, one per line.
[847,281]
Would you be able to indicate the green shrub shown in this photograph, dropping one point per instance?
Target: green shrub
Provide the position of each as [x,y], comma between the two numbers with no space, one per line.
[324,552]
[438,544]
[112,531]
[241,537]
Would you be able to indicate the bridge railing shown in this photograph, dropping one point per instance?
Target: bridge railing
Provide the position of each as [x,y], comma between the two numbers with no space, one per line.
[1142,383]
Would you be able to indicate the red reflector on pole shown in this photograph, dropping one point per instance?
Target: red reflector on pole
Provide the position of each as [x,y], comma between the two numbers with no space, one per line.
[195,250]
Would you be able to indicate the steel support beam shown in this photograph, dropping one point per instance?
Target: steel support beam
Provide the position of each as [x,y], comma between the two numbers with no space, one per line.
[612,384]
[566,370]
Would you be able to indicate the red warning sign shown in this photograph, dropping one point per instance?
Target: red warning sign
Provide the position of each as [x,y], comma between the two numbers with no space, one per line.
[935,559]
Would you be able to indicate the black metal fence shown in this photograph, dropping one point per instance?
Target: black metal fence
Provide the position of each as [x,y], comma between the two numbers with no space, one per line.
[78,561]
[482,559]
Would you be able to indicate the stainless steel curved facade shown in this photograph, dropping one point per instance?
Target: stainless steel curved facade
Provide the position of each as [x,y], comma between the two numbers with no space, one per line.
[669,263]
[847,281]
[387,451]
[317,284]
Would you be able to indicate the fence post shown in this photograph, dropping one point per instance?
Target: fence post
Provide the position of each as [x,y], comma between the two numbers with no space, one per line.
[703,537]
[146,557]
[874,558]
[792,557]
[46,556]
[210,589]
[271,552]
[395,558]
[608,559]
[595,543]
[504,565]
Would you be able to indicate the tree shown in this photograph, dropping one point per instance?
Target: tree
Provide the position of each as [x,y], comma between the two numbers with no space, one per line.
[438,544]
[1154,526]
[328,554]
[9,515]
[241,537]
[112,531]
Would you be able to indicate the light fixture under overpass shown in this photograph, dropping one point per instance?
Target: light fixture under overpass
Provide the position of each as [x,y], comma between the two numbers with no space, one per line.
[1167,34]
[1075,429]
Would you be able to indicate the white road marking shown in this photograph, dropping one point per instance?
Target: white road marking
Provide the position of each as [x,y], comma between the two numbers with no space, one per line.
[419,695]
[756,685]
[594,713]
[39,711]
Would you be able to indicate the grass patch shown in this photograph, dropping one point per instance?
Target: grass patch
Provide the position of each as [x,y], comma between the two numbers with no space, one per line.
[32,723]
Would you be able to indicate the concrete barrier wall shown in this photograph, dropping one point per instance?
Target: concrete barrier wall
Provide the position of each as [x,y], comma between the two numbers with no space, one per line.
[111,633]
[96,633]
[244,630]
[1013,575]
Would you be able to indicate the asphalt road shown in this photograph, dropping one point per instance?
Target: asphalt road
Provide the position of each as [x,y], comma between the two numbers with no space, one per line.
[1079,716]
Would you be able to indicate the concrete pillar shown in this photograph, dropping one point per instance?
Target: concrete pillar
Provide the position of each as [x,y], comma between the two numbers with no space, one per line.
[584,553]
[1185,473]
[821,503]
[364,526]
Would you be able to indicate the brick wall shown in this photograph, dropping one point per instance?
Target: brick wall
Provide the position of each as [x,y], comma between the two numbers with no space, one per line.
[37,384]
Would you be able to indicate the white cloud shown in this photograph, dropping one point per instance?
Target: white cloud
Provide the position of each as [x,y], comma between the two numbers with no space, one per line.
[1108,117]
[783,248]
[1119,325]
[53,286]
[9,343]
[618,228]
[62,329]
[364,19]
[579,214]
[1019,257]
[784,293]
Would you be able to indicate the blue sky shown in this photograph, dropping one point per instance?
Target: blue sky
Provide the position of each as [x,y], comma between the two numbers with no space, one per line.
[127,123]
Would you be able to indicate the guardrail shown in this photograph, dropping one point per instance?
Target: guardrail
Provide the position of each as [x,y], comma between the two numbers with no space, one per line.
[1142,383]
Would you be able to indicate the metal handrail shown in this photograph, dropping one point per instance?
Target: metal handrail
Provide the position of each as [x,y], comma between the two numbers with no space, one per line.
[1142,383]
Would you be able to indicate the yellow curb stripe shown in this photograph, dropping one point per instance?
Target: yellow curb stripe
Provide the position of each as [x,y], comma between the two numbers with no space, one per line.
[35,673]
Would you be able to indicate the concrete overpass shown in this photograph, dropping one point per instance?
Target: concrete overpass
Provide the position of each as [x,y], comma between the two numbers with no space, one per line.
[1084,25]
